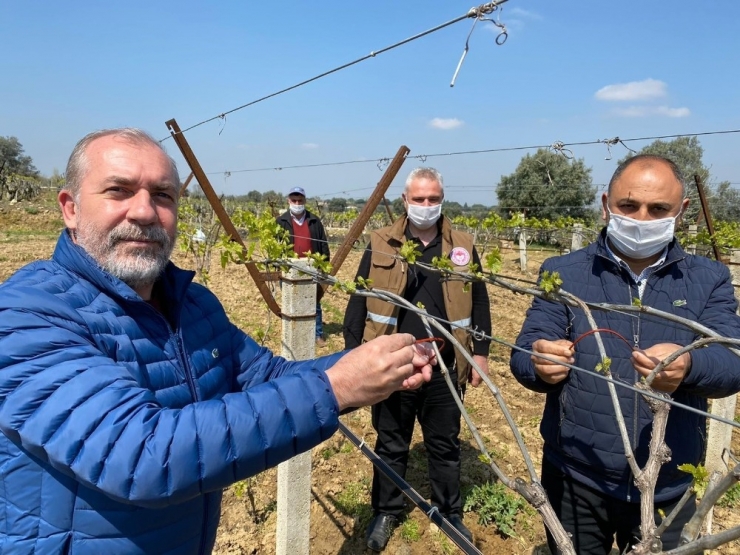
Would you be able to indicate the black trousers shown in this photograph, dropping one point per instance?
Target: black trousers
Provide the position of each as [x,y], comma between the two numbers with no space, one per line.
[439,417]
[594,519]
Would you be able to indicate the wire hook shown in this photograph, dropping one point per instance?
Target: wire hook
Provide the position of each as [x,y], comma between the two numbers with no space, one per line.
[609,143]
[559,147]
[621,142]
[477,334]
[503,34]
[465,51]
[615,141]
[478,13]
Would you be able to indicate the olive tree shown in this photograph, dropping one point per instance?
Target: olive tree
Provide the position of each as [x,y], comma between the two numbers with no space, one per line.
[547,185]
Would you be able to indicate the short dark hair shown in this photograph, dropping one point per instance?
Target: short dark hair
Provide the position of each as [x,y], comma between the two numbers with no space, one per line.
[648,159]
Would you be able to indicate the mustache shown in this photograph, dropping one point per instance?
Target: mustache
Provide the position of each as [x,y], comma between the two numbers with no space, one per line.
[135,233]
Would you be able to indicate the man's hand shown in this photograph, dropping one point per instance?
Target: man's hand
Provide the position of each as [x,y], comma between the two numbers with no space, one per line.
[374,370]
[668,379]
[561,350]
[474,378]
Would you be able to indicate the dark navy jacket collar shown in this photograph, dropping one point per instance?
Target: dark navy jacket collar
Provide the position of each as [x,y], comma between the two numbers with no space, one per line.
[674,254]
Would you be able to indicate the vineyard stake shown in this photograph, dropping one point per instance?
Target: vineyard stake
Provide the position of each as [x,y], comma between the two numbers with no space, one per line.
[707,216]
[223,217]
[367,211]
[388,209]
[185,185]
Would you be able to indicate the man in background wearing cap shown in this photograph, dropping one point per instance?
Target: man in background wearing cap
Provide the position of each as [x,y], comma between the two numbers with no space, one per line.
[307,234]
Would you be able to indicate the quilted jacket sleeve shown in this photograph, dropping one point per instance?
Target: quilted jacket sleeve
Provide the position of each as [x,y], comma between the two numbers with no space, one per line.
[544,320]
[258,365]
[715,371]
[65,403]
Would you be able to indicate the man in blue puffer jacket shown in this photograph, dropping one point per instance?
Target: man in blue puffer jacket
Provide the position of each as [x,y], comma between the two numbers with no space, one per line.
[128,400]
[584,469]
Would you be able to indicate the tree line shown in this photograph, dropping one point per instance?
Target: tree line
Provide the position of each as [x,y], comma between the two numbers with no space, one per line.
[548,185]
[545,185]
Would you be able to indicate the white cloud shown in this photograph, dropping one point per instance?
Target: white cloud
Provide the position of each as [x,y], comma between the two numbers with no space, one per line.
[309,146]
[634,90]
[446,123]
[646,111]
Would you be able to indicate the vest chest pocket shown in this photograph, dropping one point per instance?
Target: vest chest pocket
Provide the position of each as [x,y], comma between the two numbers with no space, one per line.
[387,275]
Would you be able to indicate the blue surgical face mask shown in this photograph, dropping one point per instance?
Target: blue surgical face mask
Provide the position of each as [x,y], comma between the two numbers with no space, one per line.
[640,239]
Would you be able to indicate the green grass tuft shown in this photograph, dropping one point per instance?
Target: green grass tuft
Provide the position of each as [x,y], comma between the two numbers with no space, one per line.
[495,504]
[410,531]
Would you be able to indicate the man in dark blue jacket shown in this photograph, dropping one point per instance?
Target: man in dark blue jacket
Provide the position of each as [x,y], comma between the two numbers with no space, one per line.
[128,400]
[584,469]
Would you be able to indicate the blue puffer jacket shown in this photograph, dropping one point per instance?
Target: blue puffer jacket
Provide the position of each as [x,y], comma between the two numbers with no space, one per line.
[578,425]
[118,430]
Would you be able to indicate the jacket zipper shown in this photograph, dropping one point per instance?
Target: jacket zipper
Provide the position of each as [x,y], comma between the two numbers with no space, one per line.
[183,360]
[180,351]
[636,408]
[184,363]
[563,401]
[636,344]
[194,392]
[636,405]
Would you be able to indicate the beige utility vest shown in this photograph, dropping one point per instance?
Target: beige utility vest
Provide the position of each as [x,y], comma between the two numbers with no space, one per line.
[389,273]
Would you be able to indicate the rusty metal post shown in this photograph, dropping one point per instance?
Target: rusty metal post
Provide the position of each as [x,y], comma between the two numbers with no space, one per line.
[223,217]
[186,183]
[707,216]
[367,211]
[388,209]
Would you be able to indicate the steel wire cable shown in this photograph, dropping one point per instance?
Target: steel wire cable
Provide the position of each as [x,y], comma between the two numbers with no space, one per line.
[473,12]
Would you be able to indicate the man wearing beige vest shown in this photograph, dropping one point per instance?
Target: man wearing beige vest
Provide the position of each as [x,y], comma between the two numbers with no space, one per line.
[463,308]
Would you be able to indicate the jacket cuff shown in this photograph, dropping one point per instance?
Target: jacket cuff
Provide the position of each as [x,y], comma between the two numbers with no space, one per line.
[699,361]
[481,349]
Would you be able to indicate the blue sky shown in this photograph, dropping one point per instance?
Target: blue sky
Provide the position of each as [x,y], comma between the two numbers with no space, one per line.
[571,71]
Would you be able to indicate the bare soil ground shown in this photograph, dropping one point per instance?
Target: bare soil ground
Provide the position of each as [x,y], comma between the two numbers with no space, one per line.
[341,474]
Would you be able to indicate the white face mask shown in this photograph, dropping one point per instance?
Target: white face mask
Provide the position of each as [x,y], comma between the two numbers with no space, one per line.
[297,209]
[640,239]
[423,217]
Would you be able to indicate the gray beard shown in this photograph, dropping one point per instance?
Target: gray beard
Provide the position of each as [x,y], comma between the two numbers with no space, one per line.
[138,269]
